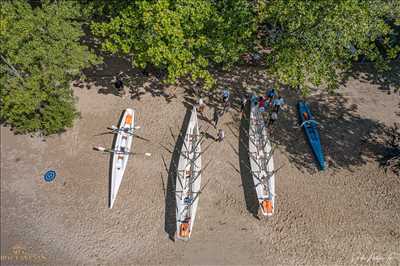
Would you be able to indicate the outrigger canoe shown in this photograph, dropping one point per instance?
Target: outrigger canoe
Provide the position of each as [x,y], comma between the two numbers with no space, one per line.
[121,152]
[261,162]
[311,130]
[188,180]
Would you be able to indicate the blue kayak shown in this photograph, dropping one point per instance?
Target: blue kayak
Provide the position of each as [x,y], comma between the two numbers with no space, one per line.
[311,130]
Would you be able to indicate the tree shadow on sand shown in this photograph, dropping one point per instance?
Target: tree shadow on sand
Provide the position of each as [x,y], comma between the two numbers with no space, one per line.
[387,81]
[170,200]
[136,82]
[347,139]
[345,136]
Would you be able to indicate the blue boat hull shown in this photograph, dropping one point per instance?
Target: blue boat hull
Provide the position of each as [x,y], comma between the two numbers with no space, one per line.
[312,134]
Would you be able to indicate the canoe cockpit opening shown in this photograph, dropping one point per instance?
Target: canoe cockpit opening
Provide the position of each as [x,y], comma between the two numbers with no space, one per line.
[128,120]
[184,229]
[305,116]
[267,206]
[188,200]
[120,157]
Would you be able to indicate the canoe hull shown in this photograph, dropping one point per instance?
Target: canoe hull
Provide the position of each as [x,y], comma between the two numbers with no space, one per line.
[312,133]
[123,143]
[188,180]
[261,162]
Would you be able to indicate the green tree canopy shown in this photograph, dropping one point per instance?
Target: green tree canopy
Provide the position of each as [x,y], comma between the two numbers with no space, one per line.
[40,54]
[182,37]
[312,41]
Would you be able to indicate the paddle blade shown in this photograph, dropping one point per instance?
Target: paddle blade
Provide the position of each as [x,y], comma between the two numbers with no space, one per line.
[99,148]
[147,154]
[137,127]
[114,127]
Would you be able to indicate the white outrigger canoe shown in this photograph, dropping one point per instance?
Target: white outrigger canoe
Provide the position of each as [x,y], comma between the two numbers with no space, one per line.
[121,152]
[188,180]
[261,162]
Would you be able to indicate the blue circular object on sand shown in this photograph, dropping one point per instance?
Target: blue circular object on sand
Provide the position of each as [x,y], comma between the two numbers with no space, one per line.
[49,175]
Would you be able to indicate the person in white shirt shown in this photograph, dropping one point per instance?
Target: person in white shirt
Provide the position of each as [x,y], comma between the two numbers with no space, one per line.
[278,103]
[273,118]
[221,135]
[201,105]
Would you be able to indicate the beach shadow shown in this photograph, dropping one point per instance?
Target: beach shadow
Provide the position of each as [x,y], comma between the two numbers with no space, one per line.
[347,139]
[136,82]
[170,200]
[387,81]
[249,190]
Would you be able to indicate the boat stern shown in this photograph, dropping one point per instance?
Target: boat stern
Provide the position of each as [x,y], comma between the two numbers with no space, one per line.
[267,207]
[183,230]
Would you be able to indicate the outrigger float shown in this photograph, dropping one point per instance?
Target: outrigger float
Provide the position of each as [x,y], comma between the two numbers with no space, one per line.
[261,162]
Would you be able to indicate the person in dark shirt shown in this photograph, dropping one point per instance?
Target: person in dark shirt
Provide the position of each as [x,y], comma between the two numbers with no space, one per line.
[271,94]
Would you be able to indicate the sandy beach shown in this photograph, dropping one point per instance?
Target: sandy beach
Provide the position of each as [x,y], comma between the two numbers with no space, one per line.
[348,214]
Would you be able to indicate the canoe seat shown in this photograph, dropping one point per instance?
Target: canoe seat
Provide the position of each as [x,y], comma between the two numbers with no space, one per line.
[128,120]
[184,230]
[267,206]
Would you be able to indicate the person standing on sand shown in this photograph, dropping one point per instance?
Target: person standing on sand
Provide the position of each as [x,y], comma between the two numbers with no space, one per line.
[278,103]
[225,98]
[273,118]
[261,104]
[253,99]
[201,105]
[270,95]
[225,95]
[243,101]
[220,135]
[119,85]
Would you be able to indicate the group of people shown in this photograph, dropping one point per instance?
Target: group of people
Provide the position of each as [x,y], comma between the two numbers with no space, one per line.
[270,103]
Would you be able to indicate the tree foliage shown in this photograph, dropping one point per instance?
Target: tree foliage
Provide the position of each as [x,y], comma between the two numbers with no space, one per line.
[312,41]
[40,53]
[182,37]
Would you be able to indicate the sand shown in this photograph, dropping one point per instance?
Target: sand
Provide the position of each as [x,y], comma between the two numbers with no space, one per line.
[348,214]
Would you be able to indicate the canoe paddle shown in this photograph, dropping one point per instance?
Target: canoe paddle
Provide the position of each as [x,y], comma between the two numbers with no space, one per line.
[99,148]
[115,129]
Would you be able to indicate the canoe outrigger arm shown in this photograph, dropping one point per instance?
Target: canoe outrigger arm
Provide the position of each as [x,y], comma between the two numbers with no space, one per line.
[116,130]
[309,121]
